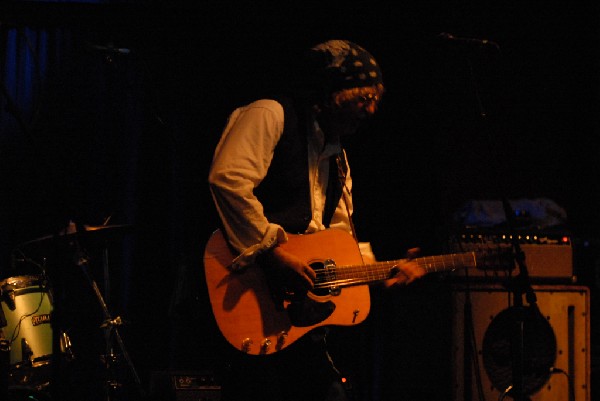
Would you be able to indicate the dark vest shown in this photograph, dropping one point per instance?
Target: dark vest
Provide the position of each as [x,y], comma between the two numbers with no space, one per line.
[284,192]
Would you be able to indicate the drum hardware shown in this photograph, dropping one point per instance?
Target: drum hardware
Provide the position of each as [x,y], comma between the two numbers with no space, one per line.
[109,325]
[26,353]
[111,333]
[9,298]
[69,241]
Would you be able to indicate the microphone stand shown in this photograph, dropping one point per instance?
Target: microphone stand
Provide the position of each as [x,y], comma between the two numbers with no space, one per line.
[520,285]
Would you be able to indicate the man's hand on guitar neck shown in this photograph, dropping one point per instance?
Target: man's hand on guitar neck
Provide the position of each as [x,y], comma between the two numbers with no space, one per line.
[286,273]
[407,272]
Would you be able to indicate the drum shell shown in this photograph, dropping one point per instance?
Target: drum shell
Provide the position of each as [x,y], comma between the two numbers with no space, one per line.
[27,306]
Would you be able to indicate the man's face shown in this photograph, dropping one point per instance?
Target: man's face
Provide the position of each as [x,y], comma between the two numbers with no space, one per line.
[345,119]
[345,113]
[360,107]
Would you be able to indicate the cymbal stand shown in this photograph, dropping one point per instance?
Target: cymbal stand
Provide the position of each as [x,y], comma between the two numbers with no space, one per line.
[111,333]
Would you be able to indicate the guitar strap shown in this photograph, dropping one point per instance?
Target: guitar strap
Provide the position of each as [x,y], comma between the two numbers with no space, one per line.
[333,192]
[340,160]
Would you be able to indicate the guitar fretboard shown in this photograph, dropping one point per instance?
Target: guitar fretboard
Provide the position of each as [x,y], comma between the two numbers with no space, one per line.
[343,276]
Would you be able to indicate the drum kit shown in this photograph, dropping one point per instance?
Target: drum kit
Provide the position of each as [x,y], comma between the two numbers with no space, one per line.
[35,345]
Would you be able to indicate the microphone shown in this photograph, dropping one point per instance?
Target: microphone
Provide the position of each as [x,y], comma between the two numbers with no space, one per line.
[467,43]
[110,49]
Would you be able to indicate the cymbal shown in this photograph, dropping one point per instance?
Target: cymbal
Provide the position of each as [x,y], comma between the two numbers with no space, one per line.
[89,232]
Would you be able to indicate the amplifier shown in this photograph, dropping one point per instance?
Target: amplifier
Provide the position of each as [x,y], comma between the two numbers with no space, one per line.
[185,386]
[547,256]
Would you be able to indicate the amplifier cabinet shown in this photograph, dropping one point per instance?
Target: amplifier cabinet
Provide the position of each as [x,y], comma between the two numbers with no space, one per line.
[564,307]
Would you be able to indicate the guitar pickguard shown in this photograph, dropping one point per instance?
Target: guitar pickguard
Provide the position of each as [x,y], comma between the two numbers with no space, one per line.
[307,312]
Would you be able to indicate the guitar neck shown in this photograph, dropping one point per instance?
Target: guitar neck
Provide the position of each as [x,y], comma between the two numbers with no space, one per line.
[345,276]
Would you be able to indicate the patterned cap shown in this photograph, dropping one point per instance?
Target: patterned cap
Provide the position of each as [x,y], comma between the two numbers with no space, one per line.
[345,65]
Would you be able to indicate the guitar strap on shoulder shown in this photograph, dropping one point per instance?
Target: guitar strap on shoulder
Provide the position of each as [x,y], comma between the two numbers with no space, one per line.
[342,169]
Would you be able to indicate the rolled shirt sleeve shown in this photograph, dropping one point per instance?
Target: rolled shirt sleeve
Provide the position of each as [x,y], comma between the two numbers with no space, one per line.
[240,162]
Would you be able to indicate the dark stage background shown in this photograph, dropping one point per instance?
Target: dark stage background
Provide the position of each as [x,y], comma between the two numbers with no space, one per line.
[110,113]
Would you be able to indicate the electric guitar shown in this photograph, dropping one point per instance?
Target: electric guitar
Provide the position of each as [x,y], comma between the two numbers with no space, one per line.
[252,321]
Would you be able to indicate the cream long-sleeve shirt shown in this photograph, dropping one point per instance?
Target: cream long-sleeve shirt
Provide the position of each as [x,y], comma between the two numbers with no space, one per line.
[241,161]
